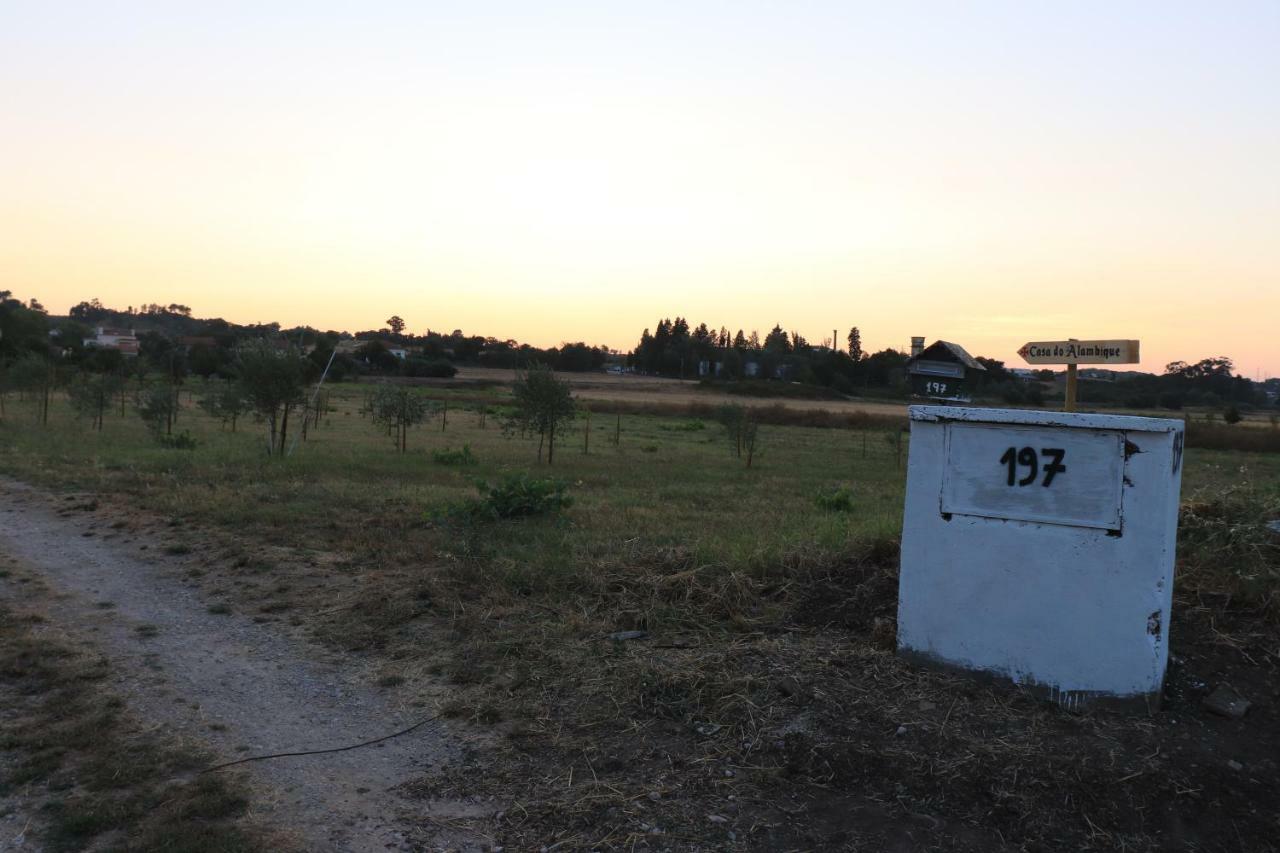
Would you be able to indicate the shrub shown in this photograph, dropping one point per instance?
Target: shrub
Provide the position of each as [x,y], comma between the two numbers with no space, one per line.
[1231,415]
[449,456]
[515,496]
[181,441]
[835,500]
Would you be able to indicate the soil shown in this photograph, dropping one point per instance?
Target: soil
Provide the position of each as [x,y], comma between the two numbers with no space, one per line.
[237,687]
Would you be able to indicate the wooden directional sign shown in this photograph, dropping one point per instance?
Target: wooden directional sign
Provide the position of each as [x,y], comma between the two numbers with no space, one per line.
[1072,352]
[1080,352]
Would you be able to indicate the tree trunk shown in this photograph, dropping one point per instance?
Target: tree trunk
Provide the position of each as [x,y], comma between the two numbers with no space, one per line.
[284,428]
[444,416]
[551,442]
[541,437]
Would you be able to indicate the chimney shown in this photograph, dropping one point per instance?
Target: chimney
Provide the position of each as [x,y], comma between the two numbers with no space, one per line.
[917,346]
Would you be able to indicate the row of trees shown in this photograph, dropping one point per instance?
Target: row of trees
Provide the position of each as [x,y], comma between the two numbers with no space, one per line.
[676,349]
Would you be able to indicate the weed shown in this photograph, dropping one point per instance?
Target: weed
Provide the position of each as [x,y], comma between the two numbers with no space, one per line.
[694,425]
[1225,544]
[450,456]
[220,609]
[839,499]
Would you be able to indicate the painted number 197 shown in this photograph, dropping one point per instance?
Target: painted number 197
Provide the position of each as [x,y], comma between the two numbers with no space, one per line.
[1027,458]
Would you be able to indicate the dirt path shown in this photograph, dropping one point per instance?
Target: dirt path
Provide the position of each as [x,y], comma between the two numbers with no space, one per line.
[239,688]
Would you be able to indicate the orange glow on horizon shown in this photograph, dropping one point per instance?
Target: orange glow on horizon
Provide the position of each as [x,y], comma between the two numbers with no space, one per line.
[544,178]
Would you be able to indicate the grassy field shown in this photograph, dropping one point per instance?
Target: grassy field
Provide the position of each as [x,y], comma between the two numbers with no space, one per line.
[666,482]
[764,691]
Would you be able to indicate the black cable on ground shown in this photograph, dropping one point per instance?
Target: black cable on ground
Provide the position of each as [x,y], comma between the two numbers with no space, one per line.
[414,727]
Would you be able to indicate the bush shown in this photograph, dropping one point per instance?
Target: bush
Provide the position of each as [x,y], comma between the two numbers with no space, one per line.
[182,441]
[835,500]
[1231,415]
[516,496]
[449,456]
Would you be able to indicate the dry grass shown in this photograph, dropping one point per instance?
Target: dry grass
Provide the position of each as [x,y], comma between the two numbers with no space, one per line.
[102,780]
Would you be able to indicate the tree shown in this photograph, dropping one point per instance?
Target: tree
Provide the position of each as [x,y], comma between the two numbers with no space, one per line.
[227,402]
[742,428]
[35,375]
[396,325]
[855,344]
[377,356]
[777,341]
[157,407]
[543,404]
[273,381]
[91,395]
[399,408]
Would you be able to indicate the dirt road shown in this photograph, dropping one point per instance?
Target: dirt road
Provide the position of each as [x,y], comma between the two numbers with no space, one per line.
[237,687]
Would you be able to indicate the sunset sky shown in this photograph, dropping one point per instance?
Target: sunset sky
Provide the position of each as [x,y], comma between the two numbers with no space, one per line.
[986,173]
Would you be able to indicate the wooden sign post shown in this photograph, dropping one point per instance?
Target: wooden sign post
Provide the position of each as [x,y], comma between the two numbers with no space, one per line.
[1072,352]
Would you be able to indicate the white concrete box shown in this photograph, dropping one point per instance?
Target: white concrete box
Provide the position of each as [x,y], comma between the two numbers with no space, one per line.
[1038,547]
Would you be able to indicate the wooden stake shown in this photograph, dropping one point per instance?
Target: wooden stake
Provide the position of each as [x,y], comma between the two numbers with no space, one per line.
[1069,404]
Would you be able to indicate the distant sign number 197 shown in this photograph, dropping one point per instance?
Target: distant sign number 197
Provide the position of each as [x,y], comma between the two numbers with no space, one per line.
[1027,458]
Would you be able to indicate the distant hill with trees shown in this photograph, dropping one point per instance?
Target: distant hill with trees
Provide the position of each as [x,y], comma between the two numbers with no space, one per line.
[170,337]
[170,340]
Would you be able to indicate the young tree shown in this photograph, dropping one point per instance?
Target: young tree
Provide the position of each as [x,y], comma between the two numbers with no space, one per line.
[395,324]
[399,408]
[543,404]
[274,383]
[156,407]
[226,401]
[34,375]
[732,417]
[91,394]
[742,429]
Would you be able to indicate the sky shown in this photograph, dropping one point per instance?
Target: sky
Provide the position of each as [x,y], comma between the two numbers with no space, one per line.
[983,172]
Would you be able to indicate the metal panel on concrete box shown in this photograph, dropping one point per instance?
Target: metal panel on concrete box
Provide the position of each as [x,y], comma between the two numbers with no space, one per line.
[1039,547]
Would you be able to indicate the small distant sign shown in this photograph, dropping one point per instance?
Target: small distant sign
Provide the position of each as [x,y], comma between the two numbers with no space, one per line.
[1080,352]
[938,387]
